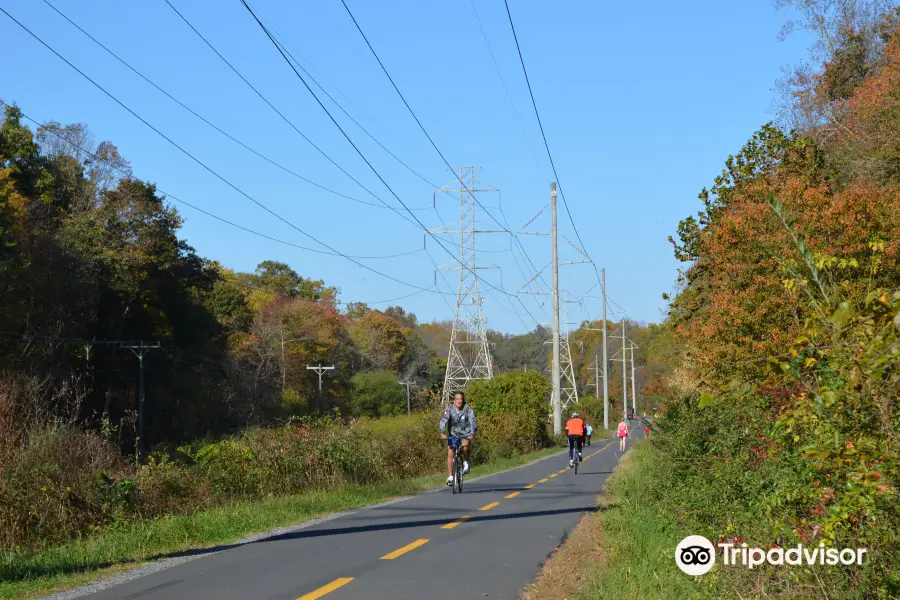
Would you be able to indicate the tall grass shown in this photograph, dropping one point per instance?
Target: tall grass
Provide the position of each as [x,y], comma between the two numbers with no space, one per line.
[640,535]
[60,483]
[112,548]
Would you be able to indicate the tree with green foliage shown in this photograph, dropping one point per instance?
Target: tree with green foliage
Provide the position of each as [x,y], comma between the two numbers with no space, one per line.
[376,394]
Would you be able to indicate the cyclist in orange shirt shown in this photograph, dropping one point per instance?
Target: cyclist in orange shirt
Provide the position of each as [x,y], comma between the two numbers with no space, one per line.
[575,431]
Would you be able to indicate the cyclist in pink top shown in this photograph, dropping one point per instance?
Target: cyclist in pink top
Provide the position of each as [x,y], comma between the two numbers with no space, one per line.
[623,433]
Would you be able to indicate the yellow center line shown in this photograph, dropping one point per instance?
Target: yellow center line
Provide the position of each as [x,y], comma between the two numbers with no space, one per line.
[404,550]
[543,481]
[513,495]
[489,506]
[530,485]
[325,589]
[455,523]
[554,475]
[563,470]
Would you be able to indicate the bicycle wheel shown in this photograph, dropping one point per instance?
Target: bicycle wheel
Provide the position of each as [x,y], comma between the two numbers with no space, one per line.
[455,470]
[575,458]
[458,480]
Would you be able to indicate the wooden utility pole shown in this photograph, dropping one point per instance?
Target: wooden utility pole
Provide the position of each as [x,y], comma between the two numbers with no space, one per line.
[406,384]
[605,360]
[320,370]
[633,388]
[557,404]
[140,349]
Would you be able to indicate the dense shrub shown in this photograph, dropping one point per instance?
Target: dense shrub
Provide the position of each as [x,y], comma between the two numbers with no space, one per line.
[522,396]
[52,486]
[731,475]
[59,482]
[377,393]
[591,410]
[808,456]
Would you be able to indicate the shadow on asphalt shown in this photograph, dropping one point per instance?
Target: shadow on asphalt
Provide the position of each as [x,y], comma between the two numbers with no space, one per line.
[6,575]
[424,523]
[313,533]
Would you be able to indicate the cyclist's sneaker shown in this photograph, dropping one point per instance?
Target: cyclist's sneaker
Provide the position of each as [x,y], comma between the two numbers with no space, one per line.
[450,480]
[580,456]
[571,463]
[465,467]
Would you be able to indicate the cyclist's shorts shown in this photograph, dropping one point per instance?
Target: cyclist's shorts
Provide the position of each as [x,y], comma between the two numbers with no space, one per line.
[453,442]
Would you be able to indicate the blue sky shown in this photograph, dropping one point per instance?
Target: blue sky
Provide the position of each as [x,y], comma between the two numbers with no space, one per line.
[641,105]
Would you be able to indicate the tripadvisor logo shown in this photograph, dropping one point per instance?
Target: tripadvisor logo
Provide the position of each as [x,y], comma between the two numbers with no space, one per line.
[696,555]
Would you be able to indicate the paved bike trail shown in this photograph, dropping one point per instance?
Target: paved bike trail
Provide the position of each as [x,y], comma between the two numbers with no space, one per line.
[420,547]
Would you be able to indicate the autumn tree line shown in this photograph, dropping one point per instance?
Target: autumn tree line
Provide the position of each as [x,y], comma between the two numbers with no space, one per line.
[92,266]
[90,257]
[781,421]
[91,262]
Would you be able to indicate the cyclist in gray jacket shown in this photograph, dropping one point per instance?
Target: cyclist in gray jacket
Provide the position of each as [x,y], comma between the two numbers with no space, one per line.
[458,427]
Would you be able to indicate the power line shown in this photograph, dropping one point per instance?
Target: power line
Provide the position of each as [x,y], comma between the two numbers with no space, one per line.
[387,300]
[204,119]
[540,124]
[419,123]
[505,88]
[444,279]
[204,165]
[279,113]
[278,47]
[283,53]
[285,42]
[244,79]
[357,123]
[434,145]
[344,133]
[52,339]
[411,112]
[544,136]
[169,196]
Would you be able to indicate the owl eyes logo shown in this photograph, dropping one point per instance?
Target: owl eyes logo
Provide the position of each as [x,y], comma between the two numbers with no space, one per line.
[695,555]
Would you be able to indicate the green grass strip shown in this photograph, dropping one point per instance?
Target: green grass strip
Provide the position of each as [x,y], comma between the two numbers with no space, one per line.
[116,548]
[639,537]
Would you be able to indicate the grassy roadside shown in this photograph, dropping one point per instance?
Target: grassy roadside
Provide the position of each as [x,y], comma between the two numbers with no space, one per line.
[626,548]
[115,549]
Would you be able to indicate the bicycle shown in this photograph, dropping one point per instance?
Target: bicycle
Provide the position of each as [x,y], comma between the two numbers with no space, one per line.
[576,455]
[457,465]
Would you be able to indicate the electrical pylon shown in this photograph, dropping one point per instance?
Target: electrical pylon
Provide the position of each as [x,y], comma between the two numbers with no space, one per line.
[469,356]
[568,391]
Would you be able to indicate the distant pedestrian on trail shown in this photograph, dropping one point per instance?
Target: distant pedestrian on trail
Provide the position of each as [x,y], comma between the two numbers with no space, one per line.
[623,433]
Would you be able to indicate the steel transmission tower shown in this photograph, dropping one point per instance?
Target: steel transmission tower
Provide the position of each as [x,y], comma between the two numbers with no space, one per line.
[568,390]
[469,356]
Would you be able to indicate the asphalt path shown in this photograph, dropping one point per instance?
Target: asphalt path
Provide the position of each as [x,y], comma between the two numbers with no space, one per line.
[489,541]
